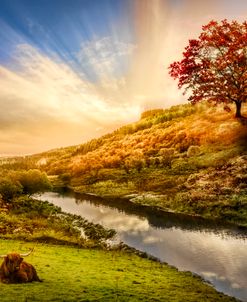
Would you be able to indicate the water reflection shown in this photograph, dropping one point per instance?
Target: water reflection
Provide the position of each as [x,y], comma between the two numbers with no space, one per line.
[160,219]
[215,251]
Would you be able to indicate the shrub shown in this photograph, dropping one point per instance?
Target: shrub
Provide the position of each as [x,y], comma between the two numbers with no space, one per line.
[31,207]
[34,181]
[193,151]
[151,113]
[65,178]
[181,165]
[8,189]
[167,155]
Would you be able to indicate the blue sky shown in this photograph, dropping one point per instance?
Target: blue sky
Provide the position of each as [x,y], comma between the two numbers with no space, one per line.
[72,70]
[60,27]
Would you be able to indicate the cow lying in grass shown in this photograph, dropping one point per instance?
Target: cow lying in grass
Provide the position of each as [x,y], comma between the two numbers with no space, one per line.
[15,270]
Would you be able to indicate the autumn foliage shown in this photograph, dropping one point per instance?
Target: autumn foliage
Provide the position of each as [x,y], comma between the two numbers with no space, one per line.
[162,140]
[214,66]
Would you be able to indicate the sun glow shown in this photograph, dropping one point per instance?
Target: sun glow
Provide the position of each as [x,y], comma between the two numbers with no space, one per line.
[67,83]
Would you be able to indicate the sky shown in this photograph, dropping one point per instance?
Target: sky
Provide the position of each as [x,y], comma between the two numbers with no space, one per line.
[73,70]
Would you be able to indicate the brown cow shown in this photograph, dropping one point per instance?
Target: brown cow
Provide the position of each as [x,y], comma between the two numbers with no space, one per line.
[15,270]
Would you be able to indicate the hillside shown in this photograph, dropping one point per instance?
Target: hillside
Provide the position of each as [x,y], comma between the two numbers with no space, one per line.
[190,159]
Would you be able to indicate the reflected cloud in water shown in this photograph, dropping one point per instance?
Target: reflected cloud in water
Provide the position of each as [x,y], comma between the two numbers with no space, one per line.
[217,255]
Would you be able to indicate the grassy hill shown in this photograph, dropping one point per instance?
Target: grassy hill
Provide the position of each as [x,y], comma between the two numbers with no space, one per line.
[190,159]
[72,274]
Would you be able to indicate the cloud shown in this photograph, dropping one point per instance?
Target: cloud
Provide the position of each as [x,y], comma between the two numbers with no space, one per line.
[42,98]
[105,57]
[70,93]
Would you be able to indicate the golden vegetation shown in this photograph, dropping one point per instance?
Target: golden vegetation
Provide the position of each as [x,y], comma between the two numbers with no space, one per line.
[160,153]
[160,138]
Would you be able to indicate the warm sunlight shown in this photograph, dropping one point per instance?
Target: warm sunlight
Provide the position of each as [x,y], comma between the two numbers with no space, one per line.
[123,155]
[92,66]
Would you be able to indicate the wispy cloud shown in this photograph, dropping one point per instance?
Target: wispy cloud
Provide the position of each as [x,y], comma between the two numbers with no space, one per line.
[105,57]
[42,94]
[68,80]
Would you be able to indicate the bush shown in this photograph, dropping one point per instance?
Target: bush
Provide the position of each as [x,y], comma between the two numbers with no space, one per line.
[151,113]
[8,189]
[36,208]
[33,181]
[181,165]
[193,151]
[65,178]
[167,155]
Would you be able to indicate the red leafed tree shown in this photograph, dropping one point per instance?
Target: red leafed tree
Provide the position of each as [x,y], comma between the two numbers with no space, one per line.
[214,66]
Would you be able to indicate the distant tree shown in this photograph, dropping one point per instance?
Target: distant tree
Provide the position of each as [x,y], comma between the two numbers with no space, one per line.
[214,66]
[65,178]
[151,113]
[34,181]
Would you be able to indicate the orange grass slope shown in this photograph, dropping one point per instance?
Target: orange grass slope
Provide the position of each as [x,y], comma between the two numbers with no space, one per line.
[160,137]
[159,134]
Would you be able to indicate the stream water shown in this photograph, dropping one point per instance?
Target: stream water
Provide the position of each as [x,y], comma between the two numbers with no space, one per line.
[213,250]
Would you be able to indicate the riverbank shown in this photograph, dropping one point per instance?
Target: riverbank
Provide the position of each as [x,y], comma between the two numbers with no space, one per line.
[230,208]
[41,224]
[138,204]
[33,220]
[72,274]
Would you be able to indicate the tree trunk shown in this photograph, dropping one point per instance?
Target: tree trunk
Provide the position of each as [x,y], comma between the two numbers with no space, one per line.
[238,109]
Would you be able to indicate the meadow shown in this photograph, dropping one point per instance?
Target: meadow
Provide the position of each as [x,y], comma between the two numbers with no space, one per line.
[73,274]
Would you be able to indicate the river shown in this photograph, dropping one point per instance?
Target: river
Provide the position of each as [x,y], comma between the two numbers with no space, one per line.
[213,250]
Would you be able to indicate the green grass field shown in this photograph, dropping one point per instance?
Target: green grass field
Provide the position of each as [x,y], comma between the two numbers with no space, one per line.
[72,274]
